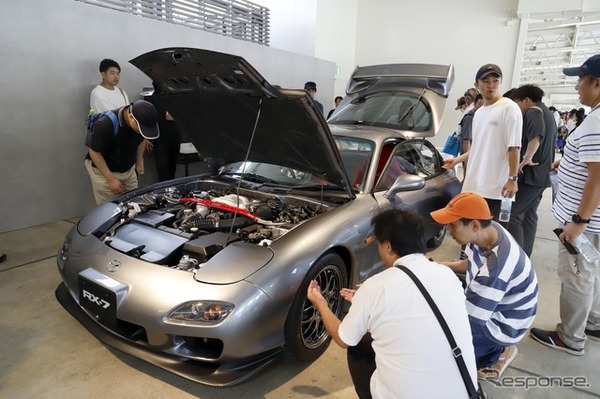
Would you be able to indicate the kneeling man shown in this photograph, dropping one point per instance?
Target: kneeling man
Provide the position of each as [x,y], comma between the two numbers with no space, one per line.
[501,286]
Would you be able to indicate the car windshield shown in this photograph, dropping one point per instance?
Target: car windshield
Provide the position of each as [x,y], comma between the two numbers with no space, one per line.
[356,157]
[396,110]
[265,173]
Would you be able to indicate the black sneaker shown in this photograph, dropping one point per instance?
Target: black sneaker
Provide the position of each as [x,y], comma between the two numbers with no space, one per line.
[2,257]
[593,335]
[552,340]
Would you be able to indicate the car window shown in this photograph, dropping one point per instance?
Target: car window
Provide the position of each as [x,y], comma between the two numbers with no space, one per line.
[356,156]
[396,110]
[417,157]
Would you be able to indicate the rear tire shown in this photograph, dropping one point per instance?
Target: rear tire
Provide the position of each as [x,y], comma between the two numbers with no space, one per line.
[305,334]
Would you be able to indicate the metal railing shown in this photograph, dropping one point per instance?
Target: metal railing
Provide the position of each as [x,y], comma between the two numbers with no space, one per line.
[239,19]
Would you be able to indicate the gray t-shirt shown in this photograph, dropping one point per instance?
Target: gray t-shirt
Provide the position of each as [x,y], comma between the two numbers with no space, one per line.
[538,121]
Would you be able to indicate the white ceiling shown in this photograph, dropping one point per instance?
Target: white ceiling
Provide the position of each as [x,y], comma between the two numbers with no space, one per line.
[555,41]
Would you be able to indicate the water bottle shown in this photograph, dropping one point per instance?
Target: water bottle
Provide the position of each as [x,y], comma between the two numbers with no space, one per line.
[586,249]
[505,209]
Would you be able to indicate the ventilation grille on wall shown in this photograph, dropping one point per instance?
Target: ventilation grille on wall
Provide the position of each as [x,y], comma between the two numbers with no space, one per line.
[239,19]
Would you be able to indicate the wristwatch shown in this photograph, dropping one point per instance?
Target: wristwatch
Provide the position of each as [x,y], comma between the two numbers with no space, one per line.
[577,219]
[513,178]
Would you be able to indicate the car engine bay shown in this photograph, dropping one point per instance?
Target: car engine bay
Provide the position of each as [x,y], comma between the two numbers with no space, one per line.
[181,229]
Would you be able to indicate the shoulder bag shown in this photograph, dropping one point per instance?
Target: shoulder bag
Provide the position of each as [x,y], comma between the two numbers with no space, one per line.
[474,393]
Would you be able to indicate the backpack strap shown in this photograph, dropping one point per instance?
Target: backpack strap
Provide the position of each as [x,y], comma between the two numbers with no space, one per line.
[115,122]
[123,94]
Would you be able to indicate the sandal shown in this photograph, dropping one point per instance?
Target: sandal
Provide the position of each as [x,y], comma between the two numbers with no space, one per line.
[494,371]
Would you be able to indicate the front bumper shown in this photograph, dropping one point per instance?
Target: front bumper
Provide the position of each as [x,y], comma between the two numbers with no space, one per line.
[212,374]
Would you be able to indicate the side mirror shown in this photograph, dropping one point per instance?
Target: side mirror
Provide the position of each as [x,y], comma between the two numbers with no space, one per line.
[404,183]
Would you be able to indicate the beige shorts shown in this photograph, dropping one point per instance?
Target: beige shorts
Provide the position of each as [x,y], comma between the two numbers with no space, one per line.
[102,192]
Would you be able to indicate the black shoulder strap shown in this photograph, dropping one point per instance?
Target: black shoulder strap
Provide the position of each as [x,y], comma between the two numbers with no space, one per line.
[471,390]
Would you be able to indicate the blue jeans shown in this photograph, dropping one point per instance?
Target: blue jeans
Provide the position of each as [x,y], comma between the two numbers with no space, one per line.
[487,352]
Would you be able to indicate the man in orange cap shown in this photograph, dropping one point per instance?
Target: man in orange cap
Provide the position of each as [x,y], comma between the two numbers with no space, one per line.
[501,286]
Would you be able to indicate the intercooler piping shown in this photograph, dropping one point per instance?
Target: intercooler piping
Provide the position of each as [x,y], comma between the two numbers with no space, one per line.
[223,207]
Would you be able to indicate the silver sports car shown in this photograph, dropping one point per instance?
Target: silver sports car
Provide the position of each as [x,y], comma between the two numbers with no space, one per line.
[206,276]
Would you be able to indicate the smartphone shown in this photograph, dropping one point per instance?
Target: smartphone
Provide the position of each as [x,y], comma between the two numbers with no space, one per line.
[570,249]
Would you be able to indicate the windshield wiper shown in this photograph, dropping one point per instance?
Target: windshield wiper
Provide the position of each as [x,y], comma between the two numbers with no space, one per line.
[411,108]
[252,177]
[319,187]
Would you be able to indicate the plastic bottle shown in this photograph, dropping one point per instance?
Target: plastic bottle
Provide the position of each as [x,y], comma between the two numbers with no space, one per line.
[505,209]
[586,249]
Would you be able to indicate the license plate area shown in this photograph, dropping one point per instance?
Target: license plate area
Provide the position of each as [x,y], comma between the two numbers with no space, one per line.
[100,301]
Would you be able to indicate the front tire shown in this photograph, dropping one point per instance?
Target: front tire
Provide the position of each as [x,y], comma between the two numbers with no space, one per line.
[437,239]
[305,334]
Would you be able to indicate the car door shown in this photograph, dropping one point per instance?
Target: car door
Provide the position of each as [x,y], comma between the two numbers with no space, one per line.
[420,158]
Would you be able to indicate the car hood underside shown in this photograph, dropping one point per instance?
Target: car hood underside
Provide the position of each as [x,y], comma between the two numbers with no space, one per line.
[231,113]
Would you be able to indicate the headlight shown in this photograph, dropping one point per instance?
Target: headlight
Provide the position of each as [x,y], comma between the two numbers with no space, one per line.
[200,312]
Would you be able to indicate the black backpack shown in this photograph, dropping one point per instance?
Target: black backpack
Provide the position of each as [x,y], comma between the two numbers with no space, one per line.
[91,121]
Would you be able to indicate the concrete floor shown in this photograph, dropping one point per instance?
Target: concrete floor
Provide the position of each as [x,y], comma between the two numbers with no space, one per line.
[45,353]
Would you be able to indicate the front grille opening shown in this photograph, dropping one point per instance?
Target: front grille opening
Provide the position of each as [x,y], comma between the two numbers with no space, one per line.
[209,348]
[130,331]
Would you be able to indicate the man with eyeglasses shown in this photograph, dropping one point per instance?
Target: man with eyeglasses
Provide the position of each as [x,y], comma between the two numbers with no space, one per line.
[114,161]
[410,356]
[494,154]
[577,210]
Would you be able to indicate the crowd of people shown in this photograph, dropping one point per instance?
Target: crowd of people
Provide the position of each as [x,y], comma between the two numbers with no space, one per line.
[115,156]
[510,142]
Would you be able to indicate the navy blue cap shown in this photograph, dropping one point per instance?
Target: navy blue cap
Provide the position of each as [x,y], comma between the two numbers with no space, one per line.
[590,67]
[310,85]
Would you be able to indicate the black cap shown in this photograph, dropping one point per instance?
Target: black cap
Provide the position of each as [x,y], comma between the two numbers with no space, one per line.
[590,67]
[486,70]
[310,85]
[146,117]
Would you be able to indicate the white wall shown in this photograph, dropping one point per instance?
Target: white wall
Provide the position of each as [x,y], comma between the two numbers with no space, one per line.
[466,33]
[49,60]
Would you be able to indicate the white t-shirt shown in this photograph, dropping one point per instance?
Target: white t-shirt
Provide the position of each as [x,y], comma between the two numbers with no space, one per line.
[103,99]
[413,356]
[556,116]
[495,128]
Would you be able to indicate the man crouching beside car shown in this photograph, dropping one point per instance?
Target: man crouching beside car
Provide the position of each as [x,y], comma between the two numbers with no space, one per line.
[410,348]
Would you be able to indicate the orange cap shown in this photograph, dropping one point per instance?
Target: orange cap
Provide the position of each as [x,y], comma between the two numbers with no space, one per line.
[464,205]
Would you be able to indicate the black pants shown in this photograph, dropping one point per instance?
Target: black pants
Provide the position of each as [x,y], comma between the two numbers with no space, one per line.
[524,218]
[361,363]
[494,205]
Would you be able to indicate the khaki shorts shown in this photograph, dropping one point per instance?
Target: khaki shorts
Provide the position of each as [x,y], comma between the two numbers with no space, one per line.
[102,192]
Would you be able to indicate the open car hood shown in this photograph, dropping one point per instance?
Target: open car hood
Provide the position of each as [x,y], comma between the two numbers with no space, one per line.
[231,113]
[426,84]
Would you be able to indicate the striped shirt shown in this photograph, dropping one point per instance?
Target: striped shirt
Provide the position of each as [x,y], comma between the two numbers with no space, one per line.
[582,146]
[501,289]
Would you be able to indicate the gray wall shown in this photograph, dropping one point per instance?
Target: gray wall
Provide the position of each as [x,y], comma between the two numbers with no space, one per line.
[49,57]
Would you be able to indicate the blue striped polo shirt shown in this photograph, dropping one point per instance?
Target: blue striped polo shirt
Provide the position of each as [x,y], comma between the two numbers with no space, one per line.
[501,289]
[582,146]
